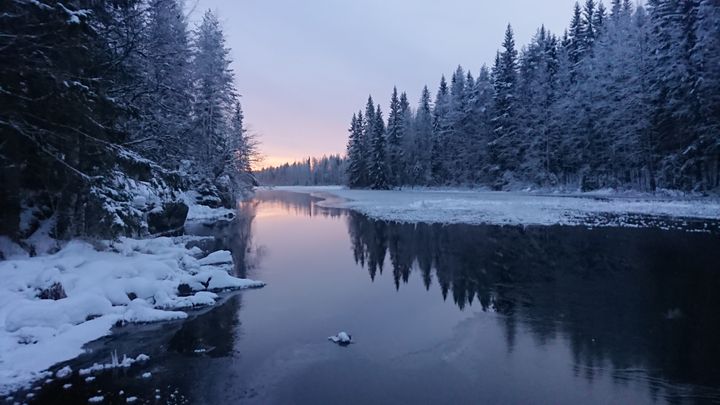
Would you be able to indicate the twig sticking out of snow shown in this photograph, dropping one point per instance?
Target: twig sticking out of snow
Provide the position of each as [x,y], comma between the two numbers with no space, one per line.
[126,362]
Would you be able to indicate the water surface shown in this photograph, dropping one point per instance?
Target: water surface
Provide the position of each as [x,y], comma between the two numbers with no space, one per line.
[439,314]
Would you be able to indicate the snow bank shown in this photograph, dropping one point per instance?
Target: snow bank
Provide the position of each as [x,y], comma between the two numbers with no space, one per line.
[201,212]
[219,257]
[511,208]
[127,281]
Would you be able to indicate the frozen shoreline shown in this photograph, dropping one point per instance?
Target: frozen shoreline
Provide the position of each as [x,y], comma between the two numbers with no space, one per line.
[455,206]
[129,280]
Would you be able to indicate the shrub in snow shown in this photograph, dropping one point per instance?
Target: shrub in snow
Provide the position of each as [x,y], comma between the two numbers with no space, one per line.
[54,292]
[140,198]
[170,217]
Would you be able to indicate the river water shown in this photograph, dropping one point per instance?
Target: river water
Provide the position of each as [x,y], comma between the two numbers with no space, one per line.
[438,314]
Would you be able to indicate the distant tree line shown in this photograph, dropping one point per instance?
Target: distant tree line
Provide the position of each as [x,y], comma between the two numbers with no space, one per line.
[327,170]
[94,94]
[624,98]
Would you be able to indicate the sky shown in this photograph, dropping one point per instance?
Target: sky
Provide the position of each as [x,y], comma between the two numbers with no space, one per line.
[303,67]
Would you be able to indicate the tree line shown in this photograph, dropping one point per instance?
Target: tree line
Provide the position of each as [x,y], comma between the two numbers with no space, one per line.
[625,98]
[327,170]
[98,95]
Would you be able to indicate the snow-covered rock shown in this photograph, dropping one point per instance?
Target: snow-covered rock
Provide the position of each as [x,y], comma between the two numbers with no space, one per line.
[64,372]
[219,257]
[342,338]
[199,212]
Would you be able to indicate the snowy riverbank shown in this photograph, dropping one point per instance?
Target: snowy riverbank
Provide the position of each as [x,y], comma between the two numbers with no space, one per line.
[516,208]
[89,289]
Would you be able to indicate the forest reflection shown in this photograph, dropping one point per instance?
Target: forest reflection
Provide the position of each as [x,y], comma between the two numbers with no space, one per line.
[282,202]
[642,300]
[631,304]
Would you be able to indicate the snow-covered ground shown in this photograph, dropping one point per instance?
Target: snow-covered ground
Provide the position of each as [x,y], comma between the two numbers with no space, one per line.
[514,208]
[127,280]
[198,212]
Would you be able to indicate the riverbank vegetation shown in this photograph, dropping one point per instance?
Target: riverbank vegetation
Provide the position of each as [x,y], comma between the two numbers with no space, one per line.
[115,116]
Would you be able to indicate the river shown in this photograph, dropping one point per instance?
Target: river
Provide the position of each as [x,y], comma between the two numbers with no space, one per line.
[438,314]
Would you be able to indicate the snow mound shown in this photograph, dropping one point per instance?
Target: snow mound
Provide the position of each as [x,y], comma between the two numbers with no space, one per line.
[64,372]
[128,280]
[201,212]
[342,338]
[219,257]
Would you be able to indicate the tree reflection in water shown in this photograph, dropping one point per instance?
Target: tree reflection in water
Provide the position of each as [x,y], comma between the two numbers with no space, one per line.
[633,299]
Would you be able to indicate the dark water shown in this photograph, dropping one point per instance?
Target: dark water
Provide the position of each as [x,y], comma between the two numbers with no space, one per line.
[439,314]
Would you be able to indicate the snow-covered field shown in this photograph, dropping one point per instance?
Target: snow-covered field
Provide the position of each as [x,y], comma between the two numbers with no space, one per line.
[123,281]
[514,208]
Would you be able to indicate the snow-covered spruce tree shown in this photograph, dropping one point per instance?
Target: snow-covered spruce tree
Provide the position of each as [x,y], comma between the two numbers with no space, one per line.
[575,43]
[502,149]
[468,128]
[438,171]
[454,135]
[214,99]
[423,141]
[242,152]
[675,105]
[622,55]
[161,127]
[367,144]
[214,95]
[356,155]
[599,19]
[378,170]
[706,61]
[407,136]
[589,30]
[536,94]
[395,141]
[480,109]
